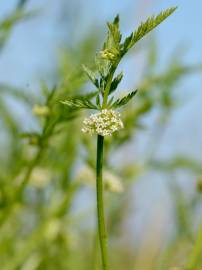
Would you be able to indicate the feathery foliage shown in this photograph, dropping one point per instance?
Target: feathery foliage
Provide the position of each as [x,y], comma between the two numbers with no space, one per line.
[123,101]
[79,103]
[145,28]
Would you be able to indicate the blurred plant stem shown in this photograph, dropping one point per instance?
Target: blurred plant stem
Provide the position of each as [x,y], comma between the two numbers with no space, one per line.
[21,187]
[94,261]
[47,132]
[37,237]
[100,206]
[195,254]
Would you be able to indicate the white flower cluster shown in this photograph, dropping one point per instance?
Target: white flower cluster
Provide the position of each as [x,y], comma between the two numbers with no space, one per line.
[103,123]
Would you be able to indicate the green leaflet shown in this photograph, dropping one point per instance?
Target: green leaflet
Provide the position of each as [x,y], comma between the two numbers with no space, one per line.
[123,101]
[115,32]
[145,28]
[116,82]
[79,103]
[91,75]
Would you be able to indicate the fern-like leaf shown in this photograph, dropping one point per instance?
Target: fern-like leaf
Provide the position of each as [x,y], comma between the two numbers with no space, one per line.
[123,101]
[114,31]
[91,75]
[79,103]
[145,28]
[116,82]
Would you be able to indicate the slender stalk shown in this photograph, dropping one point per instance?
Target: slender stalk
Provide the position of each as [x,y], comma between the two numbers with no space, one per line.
[100,206]
[109,82]
[107,89]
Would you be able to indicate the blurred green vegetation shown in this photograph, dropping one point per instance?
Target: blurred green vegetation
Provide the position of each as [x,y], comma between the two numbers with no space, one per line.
[44,171]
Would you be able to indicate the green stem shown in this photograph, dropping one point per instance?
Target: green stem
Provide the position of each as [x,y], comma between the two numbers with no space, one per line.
[107,89]
[196,252]
[100,207]
[109,82]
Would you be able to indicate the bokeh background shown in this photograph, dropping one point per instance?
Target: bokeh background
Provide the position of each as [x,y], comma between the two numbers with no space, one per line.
[153,170]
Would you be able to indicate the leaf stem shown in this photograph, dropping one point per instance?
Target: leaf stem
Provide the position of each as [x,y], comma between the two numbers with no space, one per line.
[100,206]
[109,82]
[107,89]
